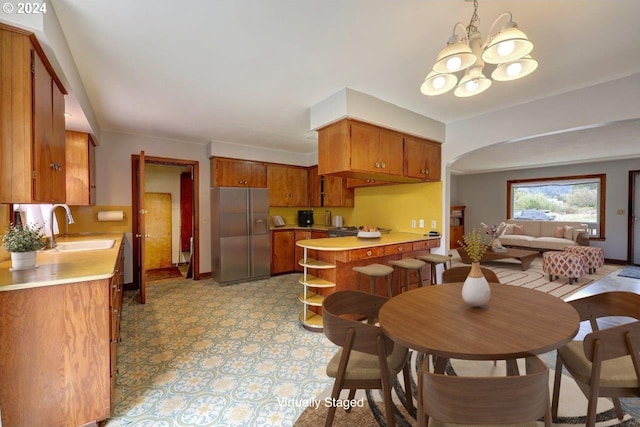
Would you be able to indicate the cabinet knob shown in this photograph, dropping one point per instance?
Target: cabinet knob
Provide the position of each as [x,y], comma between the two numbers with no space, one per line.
[377,164]
[368,253]
[400,249]
[383,165]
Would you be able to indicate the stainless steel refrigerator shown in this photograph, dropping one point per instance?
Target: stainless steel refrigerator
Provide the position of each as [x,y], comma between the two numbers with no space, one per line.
[240,236]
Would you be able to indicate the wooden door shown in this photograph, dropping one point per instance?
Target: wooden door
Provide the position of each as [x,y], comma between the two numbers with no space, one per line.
[391,153]
[139,226]
[422,159]
[298,180]
[158,230]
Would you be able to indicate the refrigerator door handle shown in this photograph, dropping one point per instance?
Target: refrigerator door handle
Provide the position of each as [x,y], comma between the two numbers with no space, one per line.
[259,226]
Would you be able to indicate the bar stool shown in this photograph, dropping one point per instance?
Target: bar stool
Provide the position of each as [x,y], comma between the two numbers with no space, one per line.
[374,271]
[433,260]
[408,265]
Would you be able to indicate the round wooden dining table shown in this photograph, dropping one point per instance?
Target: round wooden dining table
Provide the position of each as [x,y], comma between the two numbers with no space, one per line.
[516,322]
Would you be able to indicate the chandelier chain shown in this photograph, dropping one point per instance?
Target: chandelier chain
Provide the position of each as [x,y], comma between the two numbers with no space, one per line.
[472,28]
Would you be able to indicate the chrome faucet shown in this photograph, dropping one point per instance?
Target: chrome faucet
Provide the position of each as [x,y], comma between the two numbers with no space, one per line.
[70,220]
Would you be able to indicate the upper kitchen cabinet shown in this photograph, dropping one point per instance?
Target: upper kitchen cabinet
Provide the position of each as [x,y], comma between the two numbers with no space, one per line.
[354,149]
[32,141]
[81,165]
[421,159]
[238,173]
[329,191]
[288,185]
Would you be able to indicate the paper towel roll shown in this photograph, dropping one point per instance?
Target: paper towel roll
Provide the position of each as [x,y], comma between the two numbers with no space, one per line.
[110,215]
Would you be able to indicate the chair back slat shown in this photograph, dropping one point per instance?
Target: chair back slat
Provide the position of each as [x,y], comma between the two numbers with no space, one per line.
[488,400]
[356,303]
[616,303]
[614,341]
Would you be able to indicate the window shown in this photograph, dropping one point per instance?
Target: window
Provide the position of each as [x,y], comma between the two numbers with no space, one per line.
[575,198]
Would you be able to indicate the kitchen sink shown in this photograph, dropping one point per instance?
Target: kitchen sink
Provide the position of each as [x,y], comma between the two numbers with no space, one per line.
[85,245]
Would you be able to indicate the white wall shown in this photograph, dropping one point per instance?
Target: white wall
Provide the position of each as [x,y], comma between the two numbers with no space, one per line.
[485,196]
[113,176]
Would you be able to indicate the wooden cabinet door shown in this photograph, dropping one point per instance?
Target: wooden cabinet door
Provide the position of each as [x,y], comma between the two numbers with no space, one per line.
[80,164]
[365,141]
[238,173]
[315,187]
[390,152]
[422,159]
[282,251]
[48,137]
[336,193]
[288,185]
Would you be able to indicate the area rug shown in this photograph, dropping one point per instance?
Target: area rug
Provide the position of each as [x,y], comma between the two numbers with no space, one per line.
[369,410]
[510,272]
[630,271]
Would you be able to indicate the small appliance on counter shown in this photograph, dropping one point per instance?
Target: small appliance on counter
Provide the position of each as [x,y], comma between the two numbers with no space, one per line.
[277,221]
[337,221]
[305,218]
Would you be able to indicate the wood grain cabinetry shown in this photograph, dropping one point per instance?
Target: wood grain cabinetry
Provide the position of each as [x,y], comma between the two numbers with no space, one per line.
[354,149]
[32,141]
[288,185]
[58,352]
[238,173]
[422,159]
[81,169]
[329,191]
[282,251]
[456,226]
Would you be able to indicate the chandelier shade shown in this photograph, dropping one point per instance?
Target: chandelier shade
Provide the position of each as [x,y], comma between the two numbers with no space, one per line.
[515,70]
[456,56]
[507,52]
[437,83]
[510,44]
[473,83]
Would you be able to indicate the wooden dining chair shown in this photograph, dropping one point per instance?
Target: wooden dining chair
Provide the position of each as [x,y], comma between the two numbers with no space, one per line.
[458,274]
[445,400]
[607,362]
[368,359]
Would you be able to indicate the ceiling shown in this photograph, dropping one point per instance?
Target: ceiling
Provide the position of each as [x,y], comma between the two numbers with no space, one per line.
[248,71]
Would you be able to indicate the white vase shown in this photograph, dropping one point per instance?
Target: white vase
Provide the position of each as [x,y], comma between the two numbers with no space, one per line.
[475,290]
[23,260]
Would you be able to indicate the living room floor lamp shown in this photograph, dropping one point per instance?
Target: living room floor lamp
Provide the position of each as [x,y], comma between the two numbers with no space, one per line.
[508,50]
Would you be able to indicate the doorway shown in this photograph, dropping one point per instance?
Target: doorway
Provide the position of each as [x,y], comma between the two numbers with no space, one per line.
[164,212]
[633,238]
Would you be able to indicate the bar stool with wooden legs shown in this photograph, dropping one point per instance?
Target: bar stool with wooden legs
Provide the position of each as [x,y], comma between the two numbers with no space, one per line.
[407,265]
[433,260]
[374,271]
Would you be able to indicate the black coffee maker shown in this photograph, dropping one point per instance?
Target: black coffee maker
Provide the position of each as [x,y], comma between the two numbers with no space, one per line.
[305,218]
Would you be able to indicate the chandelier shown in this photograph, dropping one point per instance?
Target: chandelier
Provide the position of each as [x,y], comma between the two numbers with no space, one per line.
[508,50]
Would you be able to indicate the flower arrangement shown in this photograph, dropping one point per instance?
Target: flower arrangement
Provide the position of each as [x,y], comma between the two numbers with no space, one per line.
[27,238]
[475,244]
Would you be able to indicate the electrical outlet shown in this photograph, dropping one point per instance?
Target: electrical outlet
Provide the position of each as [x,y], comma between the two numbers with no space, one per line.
[433,224]
[620,211]
[413,223]
[421,223]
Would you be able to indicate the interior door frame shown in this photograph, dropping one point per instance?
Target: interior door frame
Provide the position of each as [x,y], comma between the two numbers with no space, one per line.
[631,244]
[196,207]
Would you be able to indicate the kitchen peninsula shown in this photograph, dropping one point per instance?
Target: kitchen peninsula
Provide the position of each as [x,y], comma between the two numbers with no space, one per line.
[328,265]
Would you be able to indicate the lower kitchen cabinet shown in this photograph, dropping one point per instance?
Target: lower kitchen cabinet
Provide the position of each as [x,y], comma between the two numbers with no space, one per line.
[282,251]
[58,352]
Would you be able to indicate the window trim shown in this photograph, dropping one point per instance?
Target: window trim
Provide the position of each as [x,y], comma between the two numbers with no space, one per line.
[602,202]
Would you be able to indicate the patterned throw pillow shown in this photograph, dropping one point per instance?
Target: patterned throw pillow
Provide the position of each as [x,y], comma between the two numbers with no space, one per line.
[559,231]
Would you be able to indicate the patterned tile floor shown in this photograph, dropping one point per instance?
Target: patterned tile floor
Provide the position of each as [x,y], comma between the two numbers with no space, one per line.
[198,354]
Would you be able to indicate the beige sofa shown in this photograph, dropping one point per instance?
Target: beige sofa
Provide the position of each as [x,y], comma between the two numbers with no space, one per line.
[544,235]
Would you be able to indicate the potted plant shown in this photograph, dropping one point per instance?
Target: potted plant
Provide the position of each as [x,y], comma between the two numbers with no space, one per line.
[23,242]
